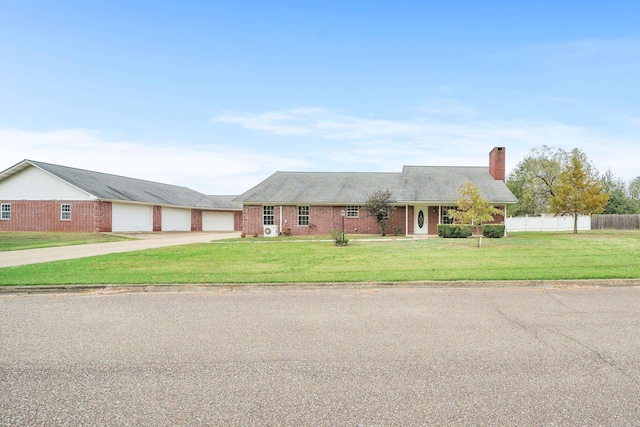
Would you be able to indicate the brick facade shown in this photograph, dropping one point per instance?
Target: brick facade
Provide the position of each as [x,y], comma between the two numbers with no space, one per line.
[157,218]
[237,221]
[410,225]
[44,215]
[322,220]
[103,217]
[196,220]
[86,216]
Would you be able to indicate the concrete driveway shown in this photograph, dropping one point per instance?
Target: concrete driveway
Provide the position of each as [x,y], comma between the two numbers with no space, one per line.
[145,241]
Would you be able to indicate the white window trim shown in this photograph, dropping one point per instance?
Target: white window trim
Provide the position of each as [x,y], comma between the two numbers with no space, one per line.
[445,214]
[265,215]
[350,210]
[307,216]
[2,212]
[62,212]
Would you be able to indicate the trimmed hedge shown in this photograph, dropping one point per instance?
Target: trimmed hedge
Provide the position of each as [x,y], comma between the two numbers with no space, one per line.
[454,230]
[493,230]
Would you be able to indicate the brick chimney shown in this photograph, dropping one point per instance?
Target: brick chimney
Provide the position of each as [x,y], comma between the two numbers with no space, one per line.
[496,163]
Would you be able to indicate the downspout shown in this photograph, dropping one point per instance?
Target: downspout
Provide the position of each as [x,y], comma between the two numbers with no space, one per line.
[506,233]
[280,224]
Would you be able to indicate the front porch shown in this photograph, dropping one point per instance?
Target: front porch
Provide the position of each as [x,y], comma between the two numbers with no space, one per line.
[422,219]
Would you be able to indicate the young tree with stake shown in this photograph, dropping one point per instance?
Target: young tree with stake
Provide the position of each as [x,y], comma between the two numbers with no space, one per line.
[473,208]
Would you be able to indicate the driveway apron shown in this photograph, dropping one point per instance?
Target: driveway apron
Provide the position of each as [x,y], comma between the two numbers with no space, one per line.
[145,241]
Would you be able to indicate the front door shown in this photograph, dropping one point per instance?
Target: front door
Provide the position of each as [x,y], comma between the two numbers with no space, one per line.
[421,219]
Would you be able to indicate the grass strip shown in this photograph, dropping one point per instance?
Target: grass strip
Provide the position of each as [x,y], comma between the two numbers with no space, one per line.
[14,241]
[522,256]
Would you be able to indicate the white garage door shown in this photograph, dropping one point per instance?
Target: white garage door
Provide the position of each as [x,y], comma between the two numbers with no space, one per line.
[174,219]
[127,217]
[217,221]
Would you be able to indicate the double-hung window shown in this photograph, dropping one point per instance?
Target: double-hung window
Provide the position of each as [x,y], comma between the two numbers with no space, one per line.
[446,219]
[65,212]
[268,215]
[5,211]
[303,215]
[353,211]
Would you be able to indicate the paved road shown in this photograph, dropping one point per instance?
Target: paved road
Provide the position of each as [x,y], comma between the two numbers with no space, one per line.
[145,241]
[322,357]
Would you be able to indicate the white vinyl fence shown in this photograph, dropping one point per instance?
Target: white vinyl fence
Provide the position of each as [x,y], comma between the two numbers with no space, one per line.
[546,223]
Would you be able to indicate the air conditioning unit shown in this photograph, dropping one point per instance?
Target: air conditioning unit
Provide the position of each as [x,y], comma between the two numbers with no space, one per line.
[270,230]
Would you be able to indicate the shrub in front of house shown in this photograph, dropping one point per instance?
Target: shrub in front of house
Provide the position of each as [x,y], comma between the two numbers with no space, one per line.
[493,230]
[454,231]
[336,235]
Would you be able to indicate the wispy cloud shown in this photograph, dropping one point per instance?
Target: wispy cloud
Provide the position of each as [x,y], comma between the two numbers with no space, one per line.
[285,122]
[434,139]
[216,169]
[446,106]
[329,141]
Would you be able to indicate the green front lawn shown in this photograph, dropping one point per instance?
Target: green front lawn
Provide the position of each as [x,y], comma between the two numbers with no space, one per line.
[522,256]
[13,241]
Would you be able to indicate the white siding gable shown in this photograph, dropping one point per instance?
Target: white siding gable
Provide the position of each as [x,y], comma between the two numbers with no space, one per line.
[35,184]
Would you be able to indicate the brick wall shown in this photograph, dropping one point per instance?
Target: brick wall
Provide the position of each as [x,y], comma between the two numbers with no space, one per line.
[196,220]
[103,217]
[44,215]
[157,218]
[252,220]
[497,158]
[237,221]
[411,220]
[86,216]
[499,218]
[322,219]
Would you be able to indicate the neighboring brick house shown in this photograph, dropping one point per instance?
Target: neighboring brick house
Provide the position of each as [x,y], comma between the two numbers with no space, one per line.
[311,202]
[37,196]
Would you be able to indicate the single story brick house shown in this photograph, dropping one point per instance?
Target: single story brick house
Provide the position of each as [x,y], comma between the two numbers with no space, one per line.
[37,196]
[312,202]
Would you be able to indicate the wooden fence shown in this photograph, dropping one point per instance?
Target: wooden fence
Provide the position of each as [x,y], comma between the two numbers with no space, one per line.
[617,222]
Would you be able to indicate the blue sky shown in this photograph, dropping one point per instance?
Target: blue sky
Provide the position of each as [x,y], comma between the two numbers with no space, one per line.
[217,95]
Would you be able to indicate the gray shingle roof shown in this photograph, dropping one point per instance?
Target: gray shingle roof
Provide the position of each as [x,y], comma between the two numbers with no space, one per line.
[441,183]
[220,202]
[437,184]
[320,187]
[114,187]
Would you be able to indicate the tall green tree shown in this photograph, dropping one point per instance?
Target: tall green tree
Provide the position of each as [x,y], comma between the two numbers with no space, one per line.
[634,189]
[379,206]
[473,208]
[579,191]
[620,200]
[534,179]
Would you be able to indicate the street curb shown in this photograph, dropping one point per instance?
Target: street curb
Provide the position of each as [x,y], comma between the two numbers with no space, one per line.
[226,287]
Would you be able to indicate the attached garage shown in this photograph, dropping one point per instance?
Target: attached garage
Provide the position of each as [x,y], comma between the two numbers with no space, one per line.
[37,196]
[217,221]
[130,217]
[175,219]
